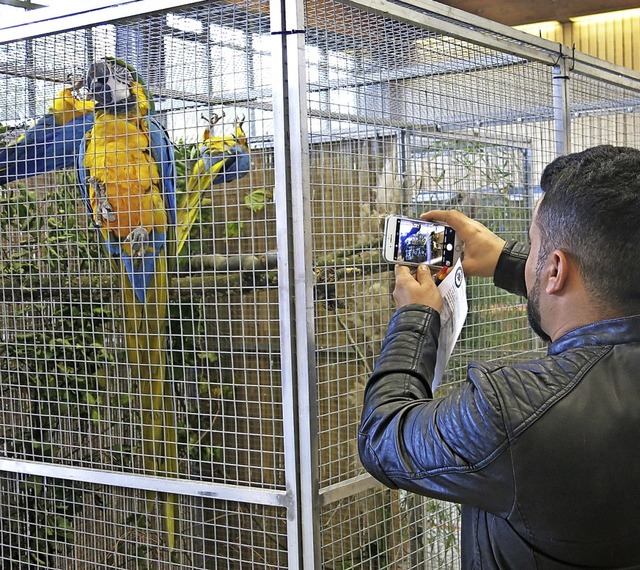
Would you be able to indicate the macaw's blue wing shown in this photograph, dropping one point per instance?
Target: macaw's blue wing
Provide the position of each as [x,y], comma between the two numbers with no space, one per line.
[44,147]
[163,153]
[236,162]
[81,175]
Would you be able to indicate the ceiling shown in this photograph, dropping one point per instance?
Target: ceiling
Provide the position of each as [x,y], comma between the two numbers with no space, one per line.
[510,12]
[515,12]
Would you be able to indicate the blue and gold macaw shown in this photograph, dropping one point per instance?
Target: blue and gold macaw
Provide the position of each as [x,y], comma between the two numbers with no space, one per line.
[221,160]
[52,142]
[126,171]
[127,174]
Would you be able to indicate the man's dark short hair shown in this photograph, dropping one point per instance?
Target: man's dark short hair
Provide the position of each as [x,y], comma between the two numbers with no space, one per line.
[590,209]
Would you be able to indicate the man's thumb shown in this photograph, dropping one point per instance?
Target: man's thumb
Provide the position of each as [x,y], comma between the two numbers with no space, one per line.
[424,273]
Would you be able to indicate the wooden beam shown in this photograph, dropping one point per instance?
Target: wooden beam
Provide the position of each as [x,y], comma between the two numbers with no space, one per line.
[516,12]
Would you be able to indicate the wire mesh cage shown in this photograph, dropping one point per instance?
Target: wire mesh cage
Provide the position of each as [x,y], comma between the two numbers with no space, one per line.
[193,288]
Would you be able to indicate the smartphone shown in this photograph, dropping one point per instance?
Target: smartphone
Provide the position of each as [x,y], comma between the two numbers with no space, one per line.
[413,242]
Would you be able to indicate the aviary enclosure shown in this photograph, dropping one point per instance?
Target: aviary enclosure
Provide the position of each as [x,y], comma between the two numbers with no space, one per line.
[212,422]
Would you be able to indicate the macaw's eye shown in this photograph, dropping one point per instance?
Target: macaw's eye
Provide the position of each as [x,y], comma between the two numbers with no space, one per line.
[122,74]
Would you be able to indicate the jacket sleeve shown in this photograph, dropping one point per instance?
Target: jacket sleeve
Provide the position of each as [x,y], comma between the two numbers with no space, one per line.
[451,448]
[509,274]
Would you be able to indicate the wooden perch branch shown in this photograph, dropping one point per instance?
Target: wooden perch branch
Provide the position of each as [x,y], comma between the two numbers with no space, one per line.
[199,277]
[342,256]
[230,263]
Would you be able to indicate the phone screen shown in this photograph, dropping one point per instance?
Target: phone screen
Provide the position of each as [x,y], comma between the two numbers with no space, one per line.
[419,242]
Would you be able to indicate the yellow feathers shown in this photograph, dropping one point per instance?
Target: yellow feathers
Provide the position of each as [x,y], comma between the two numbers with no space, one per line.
[221,159]
[142,100]
[122,169]
[65,106]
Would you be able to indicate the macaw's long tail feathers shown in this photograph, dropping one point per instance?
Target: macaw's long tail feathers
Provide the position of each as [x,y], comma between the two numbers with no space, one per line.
[146,334]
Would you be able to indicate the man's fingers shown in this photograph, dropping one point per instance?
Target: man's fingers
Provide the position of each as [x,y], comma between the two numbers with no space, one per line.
[419,288]
[423,274]
[452,218]
[402,271]
[436,215]
[482,248]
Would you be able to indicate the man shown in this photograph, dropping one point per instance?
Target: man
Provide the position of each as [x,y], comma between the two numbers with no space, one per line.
[544,456]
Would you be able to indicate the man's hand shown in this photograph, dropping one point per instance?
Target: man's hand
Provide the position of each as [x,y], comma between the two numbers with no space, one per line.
[420,289]
[482,247]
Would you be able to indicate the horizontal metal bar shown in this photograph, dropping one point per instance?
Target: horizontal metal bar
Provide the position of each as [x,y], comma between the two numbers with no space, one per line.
[348,488]
[202,489]
[56,20]
[605,71]
[487,33]
[476,22]
[469,28]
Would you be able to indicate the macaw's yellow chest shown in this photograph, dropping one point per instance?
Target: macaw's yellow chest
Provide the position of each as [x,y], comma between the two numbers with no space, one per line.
[125,188]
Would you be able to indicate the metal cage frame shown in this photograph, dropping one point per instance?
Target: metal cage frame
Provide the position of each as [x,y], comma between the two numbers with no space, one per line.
[304,496]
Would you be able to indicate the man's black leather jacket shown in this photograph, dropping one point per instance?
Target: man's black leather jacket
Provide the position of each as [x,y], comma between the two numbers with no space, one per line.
[544,455]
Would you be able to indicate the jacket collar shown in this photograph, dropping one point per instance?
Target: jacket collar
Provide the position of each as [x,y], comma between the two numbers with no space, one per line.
[613,331]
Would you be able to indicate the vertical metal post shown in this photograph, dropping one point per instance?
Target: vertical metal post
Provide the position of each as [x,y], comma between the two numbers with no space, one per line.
[561,107]
[323,94]
[128,45]
[152,57]
[140,45]
[251,76]
[285,305]
[90,49]
[292,197]
[403,169]
[30,81]
[527,178]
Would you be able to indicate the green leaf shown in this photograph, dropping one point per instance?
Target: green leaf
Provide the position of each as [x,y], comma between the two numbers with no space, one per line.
[234,229]
[257,199]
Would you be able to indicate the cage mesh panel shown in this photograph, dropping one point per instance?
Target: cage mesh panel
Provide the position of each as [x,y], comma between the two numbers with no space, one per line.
[605,112]
[400,120]
[71,398]
[386,529]
[49,523]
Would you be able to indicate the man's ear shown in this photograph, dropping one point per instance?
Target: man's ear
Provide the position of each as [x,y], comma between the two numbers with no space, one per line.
[558,268]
